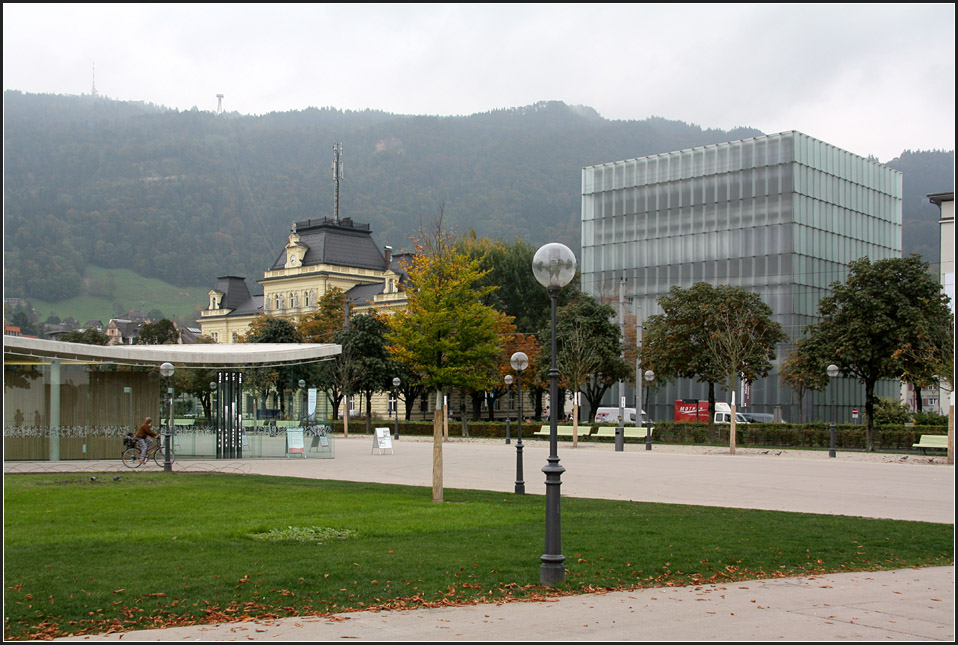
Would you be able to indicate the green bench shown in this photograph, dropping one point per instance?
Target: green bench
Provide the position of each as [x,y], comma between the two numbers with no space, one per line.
[629,432]
[932,441]
[563,431]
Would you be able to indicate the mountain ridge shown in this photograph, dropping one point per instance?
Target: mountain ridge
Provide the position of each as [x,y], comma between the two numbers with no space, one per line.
[186,196]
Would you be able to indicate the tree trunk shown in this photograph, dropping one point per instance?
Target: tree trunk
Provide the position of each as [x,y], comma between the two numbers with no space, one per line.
[869,415]
[369,412]
[437,424]
[711,419]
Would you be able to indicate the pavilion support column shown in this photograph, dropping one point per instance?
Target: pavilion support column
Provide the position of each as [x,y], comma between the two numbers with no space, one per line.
[53,420]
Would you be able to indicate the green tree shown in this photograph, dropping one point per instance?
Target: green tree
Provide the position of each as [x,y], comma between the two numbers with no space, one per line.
[803,371]
[365,340]
[742,336]
[888,320]
[588,349]
[338,379]
[446,334]
[711,334]
[196,382]
[162,332]
[87,336]
[22,320]
[891,412]
[271,329]
[517,293]
[321,325]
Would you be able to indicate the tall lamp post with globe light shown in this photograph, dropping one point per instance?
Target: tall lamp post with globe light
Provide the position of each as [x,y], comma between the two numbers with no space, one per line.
[519,362]
[554,267]
[166,369]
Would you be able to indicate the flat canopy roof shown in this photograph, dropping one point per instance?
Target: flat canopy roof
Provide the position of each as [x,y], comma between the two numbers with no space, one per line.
[197,355]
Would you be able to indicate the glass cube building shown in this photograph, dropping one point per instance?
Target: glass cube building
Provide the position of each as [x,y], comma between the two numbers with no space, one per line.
[781,215]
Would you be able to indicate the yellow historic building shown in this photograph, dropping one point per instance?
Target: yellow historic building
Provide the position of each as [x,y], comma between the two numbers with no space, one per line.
[321,254]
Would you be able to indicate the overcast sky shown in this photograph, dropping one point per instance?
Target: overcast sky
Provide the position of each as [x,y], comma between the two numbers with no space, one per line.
[870,78]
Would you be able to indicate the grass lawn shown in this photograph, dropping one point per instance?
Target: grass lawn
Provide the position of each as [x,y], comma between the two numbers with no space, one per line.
[154,549]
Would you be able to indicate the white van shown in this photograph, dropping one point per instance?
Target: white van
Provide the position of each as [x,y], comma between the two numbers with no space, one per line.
[723,414]
[611,415]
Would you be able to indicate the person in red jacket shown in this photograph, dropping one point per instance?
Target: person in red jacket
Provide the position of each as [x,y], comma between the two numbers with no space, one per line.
[144,437]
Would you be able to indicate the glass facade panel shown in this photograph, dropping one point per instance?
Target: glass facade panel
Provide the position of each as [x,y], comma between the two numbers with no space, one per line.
[781,215]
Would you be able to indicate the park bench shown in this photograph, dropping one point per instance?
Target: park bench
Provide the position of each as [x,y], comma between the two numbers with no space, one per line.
[932,441]
[563,431]
[629,432]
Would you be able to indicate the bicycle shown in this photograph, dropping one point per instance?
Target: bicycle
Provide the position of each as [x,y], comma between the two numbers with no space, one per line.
[131,454]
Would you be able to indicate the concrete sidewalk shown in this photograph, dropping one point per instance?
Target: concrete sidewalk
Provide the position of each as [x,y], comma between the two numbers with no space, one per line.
[909,604]
[904,605]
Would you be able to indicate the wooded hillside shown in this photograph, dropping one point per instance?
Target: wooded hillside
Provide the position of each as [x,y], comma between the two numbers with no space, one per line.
[188,196]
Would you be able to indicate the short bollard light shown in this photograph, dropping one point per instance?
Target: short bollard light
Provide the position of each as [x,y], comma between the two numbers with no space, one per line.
[519,362]
[832,371]
[649,377]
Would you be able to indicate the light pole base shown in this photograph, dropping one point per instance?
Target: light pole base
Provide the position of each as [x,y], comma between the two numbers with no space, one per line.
[552,571]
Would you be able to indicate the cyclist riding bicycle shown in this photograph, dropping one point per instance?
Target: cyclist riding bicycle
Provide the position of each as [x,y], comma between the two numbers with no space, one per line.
[143,438]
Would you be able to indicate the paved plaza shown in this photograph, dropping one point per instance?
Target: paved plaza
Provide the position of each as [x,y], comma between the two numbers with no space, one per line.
[908,604]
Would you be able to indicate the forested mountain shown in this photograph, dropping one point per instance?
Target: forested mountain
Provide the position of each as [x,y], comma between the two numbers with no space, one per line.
[924,173]
[188,196]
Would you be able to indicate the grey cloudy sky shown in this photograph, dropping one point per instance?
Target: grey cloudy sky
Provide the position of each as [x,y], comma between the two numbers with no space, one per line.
[871,78]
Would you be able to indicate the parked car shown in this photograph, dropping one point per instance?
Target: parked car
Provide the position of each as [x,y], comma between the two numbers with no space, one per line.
[759,417]
[611,415]
[723,414]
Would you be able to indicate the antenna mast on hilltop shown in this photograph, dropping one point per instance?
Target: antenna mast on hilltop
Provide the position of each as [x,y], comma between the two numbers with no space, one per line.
[219,104]
[337,176]
[93,91]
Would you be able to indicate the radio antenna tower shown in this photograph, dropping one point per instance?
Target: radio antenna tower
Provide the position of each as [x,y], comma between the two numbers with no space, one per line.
[93,91]
[219,104]
[337,176]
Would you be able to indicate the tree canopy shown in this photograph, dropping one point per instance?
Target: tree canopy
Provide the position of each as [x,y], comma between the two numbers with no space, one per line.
[446,334]
[162,332]
[888,320]
[712,334]
[588,348]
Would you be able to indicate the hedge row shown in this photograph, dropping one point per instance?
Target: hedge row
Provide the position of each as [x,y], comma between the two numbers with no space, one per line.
[782,435]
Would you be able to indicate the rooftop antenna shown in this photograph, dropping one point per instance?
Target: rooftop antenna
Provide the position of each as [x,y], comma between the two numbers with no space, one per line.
[219,104]
[337,176]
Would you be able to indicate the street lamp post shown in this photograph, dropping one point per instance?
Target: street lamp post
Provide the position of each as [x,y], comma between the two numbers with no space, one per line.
[508,379]
[519,362]
[649,377]
[396,383]
[554,267]
[832,371]
[302,397]
[129,392]
[212,419]
[166,369]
